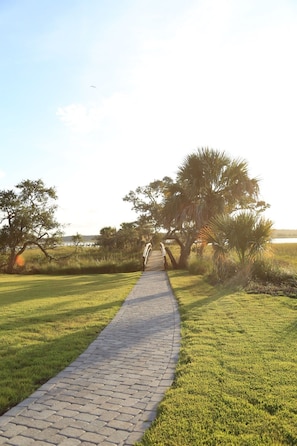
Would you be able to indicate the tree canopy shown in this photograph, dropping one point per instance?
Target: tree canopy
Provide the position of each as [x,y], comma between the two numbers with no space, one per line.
[27,217]
[129,237]
[208,183]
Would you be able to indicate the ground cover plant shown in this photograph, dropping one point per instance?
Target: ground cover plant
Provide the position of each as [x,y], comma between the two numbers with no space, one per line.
[235,380]
[47,321]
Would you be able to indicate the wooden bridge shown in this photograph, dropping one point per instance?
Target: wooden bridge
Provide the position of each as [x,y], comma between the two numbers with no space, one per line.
[154,260]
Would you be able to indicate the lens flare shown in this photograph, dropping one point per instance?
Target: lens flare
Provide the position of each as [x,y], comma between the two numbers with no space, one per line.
[20,261]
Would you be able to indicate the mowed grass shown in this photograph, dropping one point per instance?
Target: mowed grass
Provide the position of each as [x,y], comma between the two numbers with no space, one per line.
[236,379]
[47,321]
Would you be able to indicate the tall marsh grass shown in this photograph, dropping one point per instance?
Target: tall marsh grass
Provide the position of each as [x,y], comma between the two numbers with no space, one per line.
[285,254]
[81,260]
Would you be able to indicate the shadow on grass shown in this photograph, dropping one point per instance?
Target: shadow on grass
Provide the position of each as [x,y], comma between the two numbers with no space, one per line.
[25,367]
[28,368]
[291,331]
[45,287]
[34,365]
[204,294]
[39,351]
[203,301]
[54,314]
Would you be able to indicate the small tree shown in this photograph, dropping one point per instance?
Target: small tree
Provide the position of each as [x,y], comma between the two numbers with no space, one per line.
[26,219]
[129,237]
[107,238]
[245,233]
[77,239]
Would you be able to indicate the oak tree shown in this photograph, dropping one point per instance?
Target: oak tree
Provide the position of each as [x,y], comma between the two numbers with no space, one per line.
[27,218]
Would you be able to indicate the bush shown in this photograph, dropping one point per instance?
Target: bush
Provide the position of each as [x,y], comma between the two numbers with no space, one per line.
[223,271]
[267,271]
[267,277]
[130,266]
[199,266]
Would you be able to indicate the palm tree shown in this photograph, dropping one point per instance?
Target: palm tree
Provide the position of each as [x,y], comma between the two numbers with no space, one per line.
[216,184]
[245,233]
[208,184]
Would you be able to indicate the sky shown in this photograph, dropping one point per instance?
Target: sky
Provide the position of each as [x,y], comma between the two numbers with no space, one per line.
[98,97]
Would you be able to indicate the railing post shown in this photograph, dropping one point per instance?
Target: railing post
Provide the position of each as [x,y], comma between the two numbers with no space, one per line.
[163,252]
[145,255]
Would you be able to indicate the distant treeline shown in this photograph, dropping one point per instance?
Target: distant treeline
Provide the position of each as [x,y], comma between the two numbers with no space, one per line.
[85,238]
[276,233]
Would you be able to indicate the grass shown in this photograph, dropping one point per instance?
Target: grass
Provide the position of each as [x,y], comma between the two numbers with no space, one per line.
[235,380]
[68,260]
[285,254]
[236,376]
[46,322]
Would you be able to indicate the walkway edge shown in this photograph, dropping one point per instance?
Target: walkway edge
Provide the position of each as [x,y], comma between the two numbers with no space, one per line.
[110,393]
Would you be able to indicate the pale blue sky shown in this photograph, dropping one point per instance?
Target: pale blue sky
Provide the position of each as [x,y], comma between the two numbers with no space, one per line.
[170,76]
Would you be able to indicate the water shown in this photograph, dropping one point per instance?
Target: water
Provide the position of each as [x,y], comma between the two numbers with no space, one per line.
[284,240]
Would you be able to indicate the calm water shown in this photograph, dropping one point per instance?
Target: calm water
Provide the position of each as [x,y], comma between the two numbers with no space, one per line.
[284,240]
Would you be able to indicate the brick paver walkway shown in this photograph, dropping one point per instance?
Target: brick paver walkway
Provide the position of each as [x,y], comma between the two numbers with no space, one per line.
[110,394]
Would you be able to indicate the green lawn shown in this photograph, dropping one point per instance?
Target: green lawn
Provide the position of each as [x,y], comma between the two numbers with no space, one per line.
[47,321]
[236,380]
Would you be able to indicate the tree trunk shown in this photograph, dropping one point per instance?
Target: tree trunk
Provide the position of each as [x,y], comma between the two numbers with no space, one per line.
[11,261]
[185,251]
[172,259]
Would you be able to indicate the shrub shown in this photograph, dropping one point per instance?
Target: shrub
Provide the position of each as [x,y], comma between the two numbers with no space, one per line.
[130,266]
[267,277]
[223,271]
[268,271]
[199,266]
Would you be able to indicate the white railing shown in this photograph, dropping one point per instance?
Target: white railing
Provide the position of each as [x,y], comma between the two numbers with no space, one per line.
[163,252]
[146,253]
